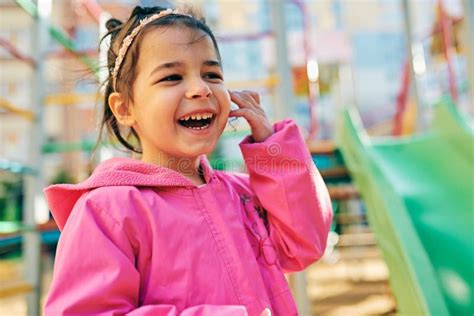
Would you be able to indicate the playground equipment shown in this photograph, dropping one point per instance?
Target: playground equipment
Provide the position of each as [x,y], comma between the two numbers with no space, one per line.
[442,32]
[420,202]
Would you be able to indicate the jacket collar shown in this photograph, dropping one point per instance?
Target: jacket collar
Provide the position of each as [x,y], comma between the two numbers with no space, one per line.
[118,172]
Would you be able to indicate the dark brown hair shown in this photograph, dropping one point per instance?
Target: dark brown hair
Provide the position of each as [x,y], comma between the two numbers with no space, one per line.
[127,72]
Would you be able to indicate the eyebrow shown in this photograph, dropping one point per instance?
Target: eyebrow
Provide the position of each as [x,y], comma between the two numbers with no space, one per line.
[177,64]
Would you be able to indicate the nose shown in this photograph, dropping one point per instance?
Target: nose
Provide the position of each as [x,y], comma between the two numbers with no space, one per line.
[198,89]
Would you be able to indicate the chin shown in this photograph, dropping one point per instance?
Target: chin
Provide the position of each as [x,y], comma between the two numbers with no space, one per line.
[200,151]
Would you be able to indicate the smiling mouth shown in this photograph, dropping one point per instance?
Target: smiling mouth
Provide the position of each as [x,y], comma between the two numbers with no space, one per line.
[198,121]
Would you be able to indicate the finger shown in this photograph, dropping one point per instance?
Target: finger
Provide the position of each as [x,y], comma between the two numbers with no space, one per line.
[254,95]
[242,101]
[248,103]
[240,113]
[247,114]
[247,96]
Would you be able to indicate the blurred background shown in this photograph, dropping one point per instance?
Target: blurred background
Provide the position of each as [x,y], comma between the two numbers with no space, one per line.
[382,90]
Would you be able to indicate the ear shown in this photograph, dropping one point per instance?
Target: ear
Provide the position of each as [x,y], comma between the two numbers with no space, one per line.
[121,109]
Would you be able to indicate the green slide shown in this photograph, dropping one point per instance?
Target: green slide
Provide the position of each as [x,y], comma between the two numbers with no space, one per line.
[419,193]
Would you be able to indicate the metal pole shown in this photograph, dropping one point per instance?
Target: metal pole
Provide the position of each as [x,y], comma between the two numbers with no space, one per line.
[284,103]
[413,86]
[469,44]
[284,108]
[103,73]
[311,62]
[34,183]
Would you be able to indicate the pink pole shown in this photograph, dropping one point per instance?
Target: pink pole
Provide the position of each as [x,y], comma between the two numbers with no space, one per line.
[93,8]
[402,100]
[9,47]
[446,33]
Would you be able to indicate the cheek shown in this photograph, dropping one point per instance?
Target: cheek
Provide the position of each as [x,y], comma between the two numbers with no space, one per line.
[224,100]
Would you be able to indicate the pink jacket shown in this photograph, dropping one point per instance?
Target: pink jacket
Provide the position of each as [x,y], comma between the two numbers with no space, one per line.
[139,239]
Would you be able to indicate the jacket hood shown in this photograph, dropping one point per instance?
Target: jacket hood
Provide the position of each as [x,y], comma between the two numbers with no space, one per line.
[117,172]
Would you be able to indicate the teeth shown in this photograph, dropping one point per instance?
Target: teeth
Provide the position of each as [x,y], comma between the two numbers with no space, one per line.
[196,117]
[199,128]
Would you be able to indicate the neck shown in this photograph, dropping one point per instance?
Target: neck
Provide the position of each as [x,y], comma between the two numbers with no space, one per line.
[188,167]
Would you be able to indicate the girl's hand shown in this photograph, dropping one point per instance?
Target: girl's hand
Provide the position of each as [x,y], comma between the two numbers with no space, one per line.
[250,109]
[266,312]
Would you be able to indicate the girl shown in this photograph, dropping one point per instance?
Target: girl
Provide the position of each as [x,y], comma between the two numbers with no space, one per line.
[166,234]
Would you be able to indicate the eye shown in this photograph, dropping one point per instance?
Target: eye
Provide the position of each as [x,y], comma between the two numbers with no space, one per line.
[171,78]
[212,76]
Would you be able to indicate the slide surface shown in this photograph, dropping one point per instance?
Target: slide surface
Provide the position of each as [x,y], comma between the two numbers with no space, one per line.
[419,193]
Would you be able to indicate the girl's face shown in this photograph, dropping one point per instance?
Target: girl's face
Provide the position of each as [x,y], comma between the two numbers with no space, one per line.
[180,105]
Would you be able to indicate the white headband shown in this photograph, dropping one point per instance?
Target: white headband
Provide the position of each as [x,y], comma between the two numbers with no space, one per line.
[129,39]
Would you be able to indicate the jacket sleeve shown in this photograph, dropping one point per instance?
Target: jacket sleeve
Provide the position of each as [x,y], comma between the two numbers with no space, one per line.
[95,274]
[289,187]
